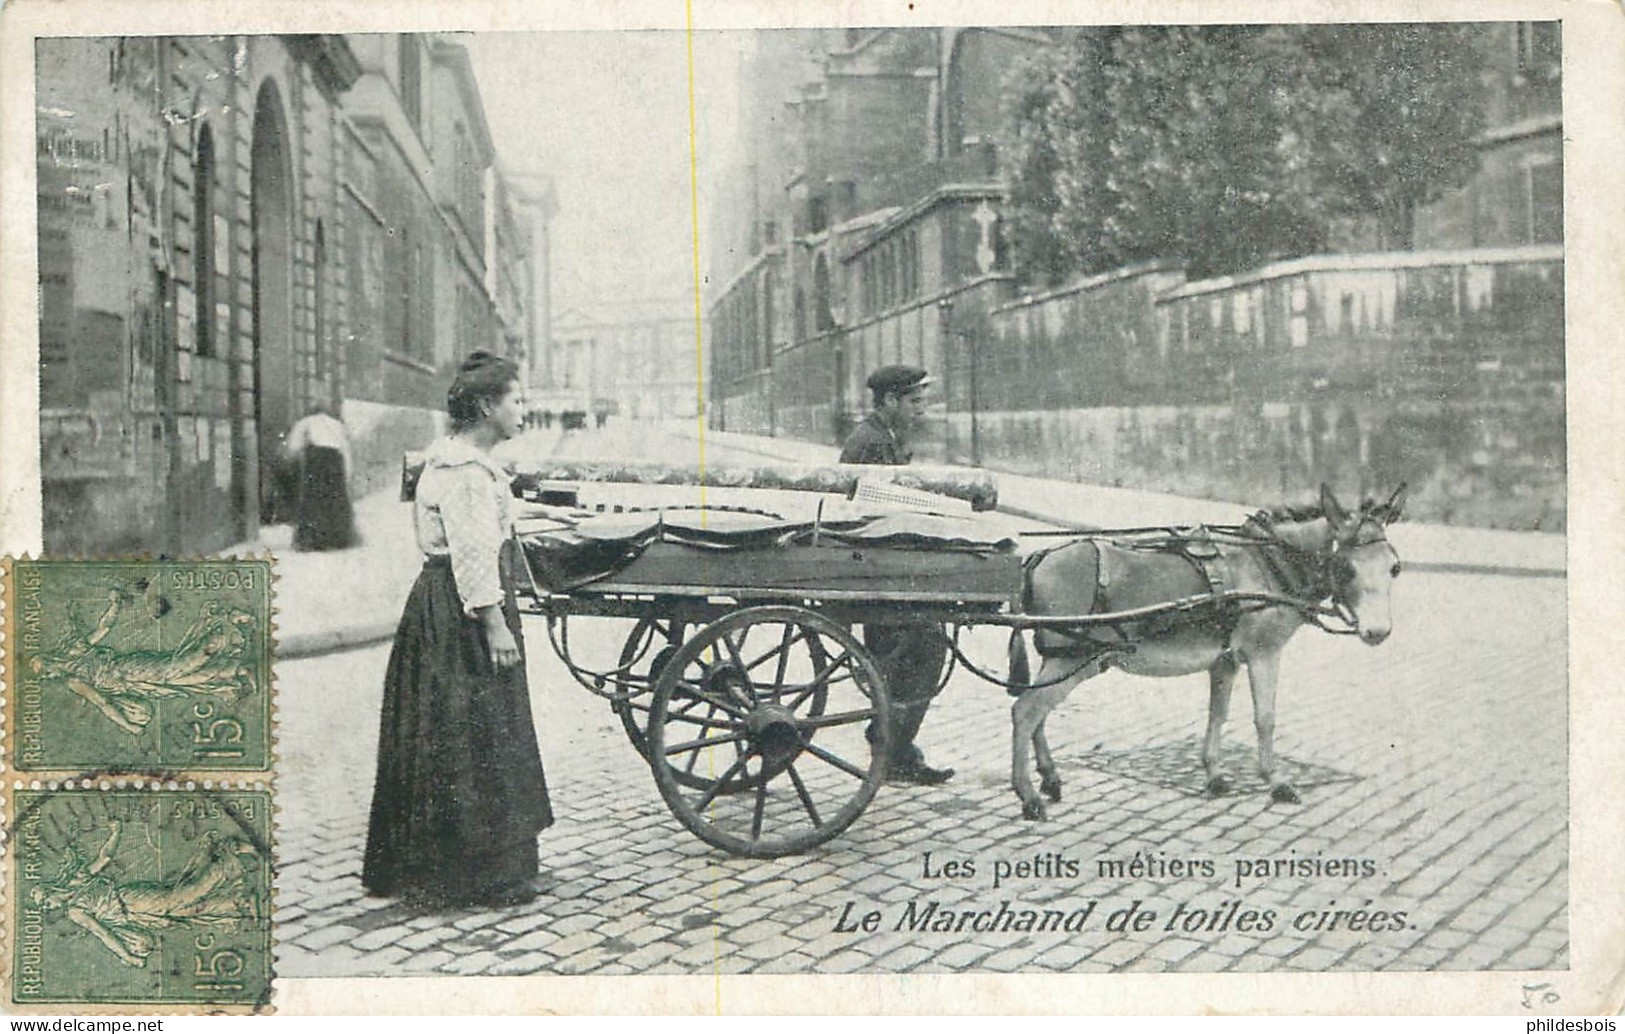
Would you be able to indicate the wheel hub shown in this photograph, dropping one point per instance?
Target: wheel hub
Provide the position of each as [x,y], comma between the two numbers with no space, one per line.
[727,682]
[774,734]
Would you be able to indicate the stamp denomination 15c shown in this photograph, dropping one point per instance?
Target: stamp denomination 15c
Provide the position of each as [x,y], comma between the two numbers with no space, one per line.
[139,665]
[141,896]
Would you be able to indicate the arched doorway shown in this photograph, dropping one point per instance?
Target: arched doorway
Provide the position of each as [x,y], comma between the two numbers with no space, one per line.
[823,299]
[952,126]
[258,473]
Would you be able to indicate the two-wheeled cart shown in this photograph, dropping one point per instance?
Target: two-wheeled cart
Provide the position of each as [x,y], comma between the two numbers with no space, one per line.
[762,715]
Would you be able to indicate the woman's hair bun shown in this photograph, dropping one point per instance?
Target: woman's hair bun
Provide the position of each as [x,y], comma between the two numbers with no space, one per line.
[481,359]
[482,378]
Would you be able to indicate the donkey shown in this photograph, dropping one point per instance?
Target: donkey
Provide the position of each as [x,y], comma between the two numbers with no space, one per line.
[1316,555]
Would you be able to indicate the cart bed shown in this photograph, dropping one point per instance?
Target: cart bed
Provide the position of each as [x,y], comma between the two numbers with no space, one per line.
[852,577]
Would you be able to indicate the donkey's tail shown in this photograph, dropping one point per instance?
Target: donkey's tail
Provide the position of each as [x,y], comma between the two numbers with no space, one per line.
[1021,673]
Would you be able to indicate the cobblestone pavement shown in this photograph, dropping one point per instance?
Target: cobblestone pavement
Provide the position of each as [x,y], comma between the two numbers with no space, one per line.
[1435,764]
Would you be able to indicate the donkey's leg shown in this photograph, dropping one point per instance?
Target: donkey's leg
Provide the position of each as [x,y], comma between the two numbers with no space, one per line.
[1263,674]
[1049,781]
[1027,714]
[1221,679]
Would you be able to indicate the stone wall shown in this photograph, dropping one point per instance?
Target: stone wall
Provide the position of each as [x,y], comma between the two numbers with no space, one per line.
[1442,369]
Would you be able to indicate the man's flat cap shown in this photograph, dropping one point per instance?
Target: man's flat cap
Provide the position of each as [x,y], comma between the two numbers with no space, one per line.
[898,380]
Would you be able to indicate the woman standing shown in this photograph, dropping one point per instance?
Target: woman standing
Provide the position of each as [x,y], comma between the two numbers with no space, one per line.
[460,795]
[319,449]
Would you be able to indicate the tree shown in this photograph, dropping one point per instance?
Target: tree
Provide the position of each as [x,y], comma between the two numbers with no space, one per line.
[1226,146]
[1055,132]
[1388,117]
[1195,168]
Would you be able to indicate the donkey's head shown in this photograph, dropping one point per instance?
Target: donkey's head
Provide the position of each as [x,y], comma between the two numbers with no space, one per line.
[1362,563]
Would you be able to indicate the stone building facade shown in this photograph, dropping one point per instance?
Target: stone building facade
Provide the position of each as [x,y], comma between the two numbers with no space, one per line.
[875,236]
[234,229]
[872,192]
[633,357]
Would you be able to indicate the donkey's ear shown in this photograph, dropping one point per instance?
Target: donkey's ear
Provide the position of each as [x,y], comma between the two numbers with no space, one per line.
[1336,516]
[1395,504]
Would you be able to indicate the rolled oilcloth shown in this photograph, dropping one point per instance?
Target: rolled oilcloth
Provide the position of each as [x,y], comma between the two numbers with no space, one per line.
[976,487]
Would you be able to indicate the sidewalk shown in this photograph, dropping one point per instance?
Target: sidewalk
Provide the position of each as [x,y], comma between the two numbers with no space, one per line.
[1436,547]
[350,597]
[336,601]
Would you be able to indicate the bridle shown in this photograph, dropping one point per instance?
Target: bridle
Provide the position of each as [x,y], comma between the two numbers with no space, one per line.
[1321,577]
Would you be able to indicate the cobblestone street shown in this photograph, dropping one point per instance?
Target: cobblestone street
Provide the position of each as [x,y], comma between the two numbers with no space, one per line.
[1433,771]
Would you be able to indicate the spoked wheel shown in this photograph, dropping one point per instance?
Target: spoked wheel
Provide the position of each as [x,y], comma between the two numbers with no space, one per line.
[760,731]
[648,648]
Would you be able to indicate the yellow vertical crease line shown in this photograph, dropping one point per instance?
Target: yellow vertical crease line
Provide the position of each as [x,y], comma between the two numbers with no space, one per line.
[694,211]
[699,391]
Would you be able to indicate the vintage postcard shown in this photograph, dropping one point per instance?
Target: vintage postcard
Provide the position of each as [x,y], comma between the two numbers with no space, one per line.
[1110,511]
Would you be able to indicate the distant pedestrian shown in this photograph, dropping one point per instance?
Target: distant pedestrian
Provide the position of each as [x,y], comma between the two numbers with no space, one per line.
[460,796]
[318,447]
[910,654]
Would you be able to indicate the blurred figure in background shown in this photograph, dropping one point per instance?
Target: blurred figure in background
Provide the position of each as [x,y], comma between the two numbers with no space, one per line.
[319,448]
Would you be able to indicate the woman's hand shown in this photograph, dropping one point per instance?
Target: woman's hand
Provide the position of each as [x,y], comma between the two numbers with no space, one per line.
[504,650]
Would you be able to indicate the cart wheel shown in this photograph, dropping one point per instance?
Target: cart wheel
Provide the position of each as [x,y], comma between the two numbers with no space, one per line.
[649,646]
[648,649]
[782,748]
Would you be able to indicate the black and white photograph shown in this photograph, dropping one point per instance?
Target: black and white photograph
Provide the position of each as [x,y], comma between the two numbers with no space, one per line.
[990,497]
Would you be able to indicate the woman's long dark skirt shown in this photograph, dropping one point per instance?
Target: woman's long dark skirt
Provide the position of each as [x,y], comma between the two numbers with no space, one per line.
[324,518]
[460,795]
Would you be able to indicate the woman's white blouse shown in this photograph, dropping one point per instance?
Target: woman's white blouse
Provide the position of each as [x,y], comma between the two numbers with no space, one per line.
[464,510]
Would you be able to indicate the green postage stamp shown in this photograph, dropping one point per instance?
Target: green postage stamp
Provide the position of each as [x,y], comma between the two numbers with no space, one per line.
[141,896]
[139,666]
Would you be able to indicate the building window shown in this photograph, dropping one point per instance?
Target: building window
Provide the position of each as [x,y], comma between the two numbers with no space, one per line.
[768,318]
[323,388]
[1298,328]
[911,264]
[415,296]
[823,302]
[466,180]
[411,85]
[1241,312]
[817,214]
[1538,48]
[404,274]
[888,268]
[1543,200]
[889,275]
[203,242]
[753,326]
